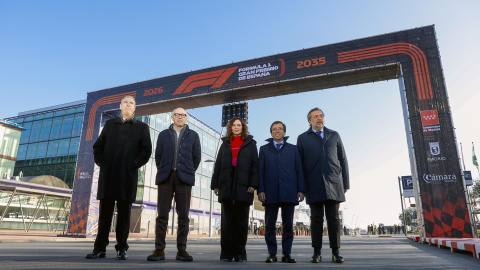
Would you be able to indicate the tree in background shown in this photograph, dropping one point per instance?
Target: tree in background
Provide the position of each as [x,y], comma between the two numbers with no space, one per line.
[410,217]
[475,194]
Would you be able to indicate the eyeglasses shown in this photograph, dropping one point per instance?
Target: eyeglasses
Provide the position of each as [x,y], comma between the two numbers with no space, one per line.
[317,116]
[180,115]
[279,129]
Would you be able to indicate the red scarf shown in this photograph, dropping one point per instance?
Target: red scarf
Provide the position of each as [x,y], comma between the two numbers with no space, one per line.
[235,144]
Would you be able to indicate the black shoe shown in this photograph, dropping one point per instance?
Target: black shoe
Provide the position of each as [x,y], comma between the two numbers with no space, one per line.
[337,258]
[316,258]
[184,256]
[237,259]
[122,254]
[288,258]
[157,255]
[271,258]
[96,254]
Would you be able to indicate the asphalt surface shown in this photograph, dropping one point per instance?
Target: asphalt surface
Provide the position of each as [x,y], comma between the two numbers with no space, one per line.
[359,253]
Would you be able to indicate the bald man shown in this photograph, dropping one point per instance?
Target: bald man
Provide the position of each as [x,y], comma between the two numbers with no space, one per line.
[121,149]
[177,157]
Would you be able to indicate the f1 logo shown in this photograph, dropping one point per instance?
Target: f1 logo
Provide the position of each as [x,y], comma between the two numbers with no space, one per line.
[429,117]
[215,78]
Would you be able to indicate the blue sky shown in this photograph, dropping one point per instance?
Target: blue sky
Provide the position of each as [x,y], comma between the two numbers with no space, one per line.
[53,52]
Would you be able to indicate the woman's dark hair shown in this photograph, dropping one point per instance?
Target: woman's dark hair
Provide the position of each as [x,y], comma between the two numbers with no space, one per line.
[244,133]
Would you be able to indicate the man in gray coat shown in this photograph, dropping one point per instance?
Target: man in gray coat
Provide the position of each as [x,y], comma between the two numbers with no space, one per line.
[326,176]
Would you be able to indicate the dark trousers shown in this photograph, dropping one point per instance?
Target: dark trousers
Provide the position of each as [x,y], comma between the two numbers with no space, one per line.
[333,223]
[271,213]
[166,191]
[122,229]
[234,230]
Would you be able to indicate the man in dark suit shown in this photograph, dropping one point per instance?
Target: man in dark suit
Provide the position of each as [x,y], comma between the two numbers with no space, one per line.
[121,149]
[326,176]
[281,186]
[177,157]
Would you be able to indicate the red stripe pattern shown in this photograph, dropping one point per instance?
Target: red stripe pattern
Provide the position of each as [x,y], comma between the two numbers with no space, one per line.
[422,75]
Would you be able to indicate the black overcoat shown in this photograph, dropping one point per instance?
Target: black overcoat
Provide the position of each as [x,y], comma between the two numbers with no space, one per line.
[325,166]
[120,150]
[246,174]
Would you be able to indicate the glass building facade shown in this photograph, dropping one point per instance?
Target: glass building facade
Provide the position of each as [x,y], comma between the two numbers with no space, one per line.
[49,144]
[144,210]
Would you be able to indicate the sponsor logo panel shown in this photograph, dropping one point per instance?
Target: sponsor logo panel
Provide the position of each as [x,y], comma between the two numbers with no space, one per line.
[430,121]
[435,152]
[439,178]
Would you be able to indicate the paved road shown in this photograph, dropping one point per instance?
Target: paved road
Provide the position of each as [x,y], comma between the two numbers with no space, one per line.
[359,253]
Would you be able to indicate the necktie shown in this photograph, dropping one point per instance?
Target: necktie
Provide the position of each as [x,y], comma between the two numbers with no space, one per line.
[319,133]
[279,145]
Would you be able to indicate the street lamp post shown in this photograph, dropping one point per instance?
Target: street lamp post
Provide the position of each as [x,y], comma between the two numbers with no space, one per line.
[211,191]
[211,209]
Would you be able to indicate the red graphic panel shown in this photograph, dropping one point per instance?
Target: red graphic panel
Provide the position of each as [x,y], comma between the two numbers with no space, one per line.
[429,118]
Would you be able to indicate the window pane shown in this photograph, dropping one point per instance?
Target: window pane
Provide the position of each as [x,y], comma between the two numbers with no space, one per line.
[59,113]
[32,151]
[67,127]
[49,115]
[81,109]
[28,118]
[77,126]
[56,128]
[73,150]
[35,134]
[45,131]
[26,133]
[22,151]
[70,111]
[38,116]
[63,147]
[52,149]
[42,150]
[69,178]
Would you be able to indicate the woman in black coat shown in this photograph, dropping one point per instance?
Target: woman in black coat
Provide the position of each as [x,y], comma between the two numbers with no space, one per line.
[234,180]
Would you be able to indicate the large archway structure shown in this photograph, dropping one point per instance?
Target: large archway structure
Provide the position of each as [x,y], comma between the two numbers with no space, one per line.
[411,56]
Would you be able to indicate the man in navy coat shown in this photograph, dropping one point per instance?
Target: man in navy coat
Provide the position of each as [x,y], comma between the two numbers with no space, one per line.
[177,157]
[326,177]
[281,186]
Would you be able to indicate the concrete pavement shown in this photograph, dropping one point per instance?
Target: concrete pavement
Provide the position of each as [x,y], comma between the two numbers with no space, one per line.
[359,252]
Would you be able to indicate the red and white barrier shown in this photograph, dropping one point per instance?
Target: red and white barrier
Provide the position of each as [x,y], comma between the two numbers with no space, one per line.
[466,244]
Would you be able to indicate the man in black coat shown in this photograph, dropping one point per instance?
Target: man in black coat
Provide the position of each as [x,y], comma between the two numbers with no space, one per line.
[121,149]
[281,186]
[177,157]
[326,176]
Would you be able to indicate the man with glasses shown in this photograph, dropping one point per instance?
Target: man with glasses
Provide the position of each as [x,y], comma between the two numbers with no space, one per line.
[326,176]
[177,157]
[281,186]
